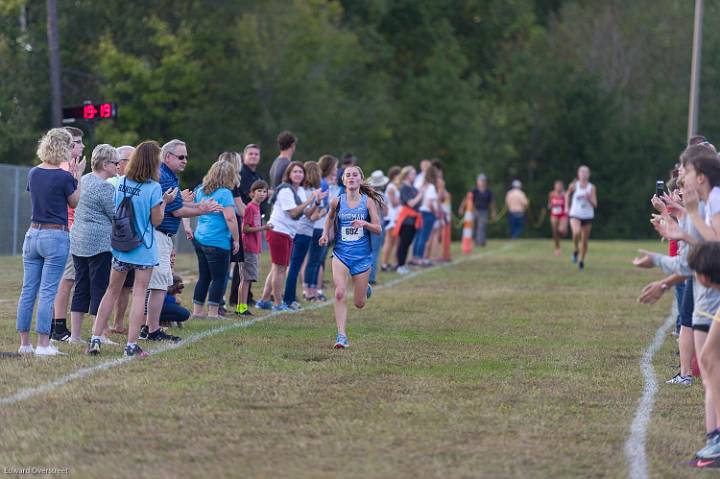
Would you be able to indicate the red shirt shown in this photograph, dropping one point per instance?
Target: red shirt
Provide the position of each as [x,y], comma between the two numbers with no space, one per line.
[557,205]
[252,242]
[673,248]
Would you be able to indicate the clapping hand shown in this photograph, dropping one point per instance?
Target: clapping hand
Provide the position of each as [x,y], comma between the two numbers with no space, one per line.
[673,203]
[658,204]
[210,206]
[187,196]
[169,196]
[667,227]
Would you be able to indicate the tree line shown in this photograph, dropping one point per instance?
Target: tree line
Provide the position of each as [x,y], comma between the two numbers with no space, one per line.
[527,89]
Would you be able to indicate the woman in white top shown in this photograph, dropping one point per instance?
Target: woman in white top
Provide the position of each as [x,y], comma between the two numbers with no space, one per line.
[582,198]
[291,202]
[392,201]
[429,212]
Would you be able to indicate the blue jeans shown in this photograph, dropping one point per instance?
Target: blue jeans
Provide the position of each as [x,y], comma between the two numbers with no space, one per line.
[44,255]
[517,224]
[300,246]
[213,264]
[423,235]
[316,253]
[679,291]
[376,242]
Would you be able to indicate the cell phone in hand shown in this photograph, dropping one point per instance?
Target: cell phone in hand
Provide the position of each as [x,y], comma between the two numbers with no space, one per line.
[659,188]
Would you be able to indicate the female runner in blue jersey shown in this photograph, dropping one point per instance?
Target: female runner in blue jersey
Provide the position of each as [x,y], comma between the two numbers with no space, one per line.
[354,216]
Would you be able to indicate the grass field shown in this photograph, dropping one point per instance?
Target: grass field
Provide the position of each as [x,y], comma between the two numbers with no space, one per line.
[510,364]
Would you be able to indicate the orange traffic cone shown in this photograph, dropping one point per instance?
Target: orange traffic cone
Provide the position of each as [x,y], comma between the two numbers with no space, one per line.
[468,220]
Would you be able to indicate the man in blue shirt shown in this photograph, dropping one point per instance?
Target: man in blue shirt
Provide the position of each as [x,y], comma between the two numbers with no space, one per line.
[174,158]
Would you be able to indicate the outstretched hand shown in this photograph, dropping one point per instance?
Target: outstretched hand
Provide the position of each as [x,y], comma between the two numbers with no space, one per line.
[645,260]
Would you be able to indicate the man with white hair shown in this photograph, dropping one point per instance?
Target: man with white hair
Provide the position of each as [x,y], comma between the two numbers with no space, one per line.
[516,203]
[174,158]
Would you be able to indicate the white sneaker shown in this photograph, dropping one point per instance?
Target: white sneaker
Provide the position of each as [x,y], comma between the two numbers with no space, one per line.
[403,270]
[49,350]
[26,349]
[104,340]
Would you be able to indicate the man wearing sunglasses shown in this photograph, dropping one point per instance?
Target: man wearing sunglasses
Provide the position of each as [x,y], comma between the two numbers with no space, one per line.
[174,158]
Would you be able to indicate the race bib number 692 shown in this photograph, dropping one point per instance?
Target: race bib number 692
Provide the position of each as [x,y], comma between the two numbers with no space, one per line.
[351,233]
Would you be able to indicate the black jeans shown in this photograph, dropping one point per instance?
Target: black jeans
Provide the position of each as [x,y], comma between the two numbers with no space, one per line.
[407,233]
[213,264]
[92,275]
[174,312]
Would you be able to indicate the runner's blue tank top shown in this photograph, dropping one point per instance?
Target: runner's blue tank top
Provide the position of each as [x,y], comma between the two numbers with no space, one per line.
[352,245]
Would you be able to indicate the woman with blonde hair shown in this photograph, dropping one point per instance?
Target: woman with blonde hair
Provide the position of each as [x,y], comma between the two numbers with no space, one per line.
[216,236]
[47,243]
[140,187]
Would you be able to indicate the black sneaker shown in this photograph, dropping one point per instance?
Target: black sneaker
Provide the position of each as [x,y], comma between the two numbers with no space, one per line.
[144,330]
[581,265]
[135,350]
[161,335]
[62,335]
[244,313]
[575,256]
[94,348]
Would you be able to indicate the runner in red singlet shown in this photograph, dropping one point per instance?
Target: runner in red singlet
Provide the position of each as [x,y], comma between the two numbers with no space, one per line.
[558,214]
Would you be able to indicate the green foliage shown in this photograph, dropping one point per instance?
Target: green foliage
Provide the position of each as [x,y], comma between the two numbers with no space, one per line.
[513,88]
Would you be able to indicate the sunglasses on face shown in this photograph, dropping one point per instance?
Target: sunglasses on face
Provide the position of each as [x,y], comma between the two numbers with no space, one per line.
[179,157]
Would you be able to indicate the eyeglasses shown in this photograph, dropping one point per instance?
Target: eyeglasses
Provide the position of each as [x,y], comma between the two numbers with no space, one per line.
[77,142]
[179,157]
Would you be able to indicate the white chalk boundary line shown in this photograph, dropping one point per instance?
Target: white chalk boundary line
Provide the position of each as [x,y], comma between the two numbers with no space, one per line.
[635,452]
[27,393]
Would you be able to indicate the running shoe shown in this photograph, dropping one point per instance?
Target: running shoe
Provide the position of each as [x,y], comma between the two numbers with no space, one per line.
[135,350]
[161,335]
[281,307]
[575,256]
[712,447]
[341,342]
[94,348]
[369,291]
[263,304]
[28,349]
[144,330]
[61,336]
[48,350]
[581,266]
[557,252]
[244,313]
[680,380]
[320,297]
[294,306]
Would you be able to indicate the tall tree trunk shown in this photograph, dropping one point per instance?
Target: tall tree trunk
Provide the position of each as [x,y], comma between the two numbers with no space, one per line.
[54,58]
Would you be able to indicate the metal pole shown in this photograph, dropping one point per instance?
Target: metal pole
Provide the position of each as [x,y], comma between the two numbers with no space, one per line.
[16,211]
[54,58]
[695,72]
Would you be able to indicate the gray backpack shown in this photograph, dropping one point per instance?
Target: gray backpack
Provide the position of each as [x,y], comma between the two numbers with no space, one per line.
[124,236]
